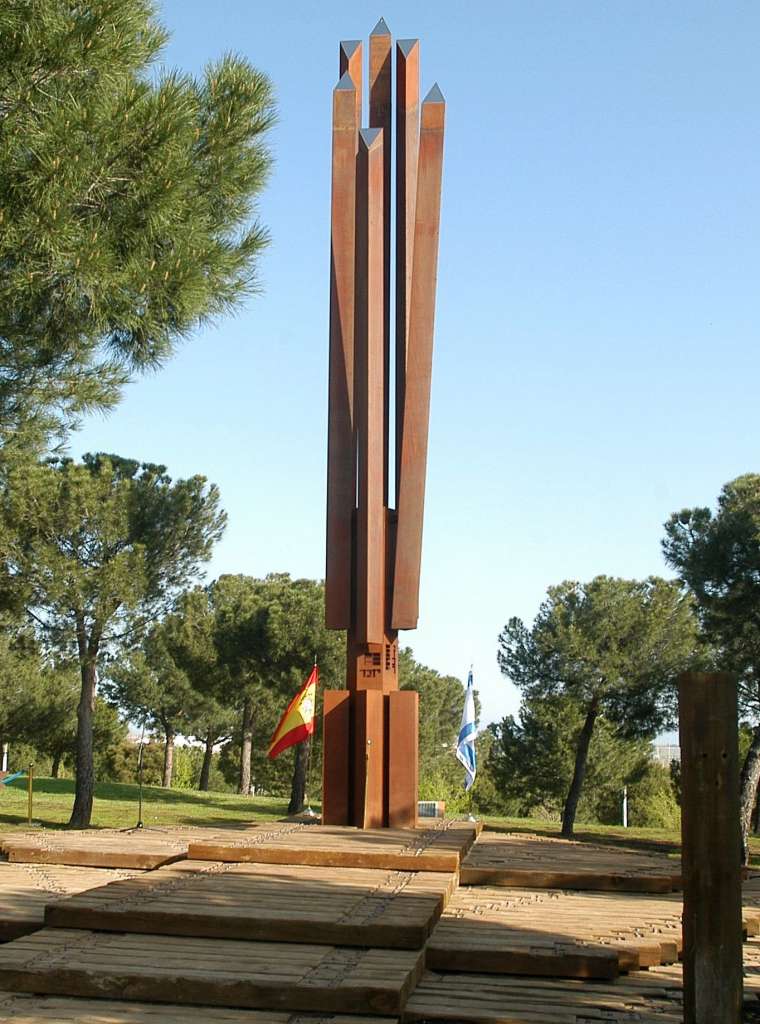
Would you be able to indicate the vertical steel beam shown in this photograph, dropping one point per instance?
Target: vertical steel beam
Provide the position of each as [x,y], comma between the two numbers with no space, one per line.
[350,60]
[414,442]
[341,448]
[407,150]
[336,758]
[370,573]
[402,708]
[380,116]
[369,759]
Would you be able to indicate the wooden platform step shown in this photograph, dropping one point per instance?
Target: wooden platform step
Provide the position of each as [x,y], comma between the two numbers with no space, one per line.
[654,996]
[210,972]
[25,890]
[31,1009]
[485,999]
[437,847]
[551,933]
[275,903]
[533,861]
[94,849]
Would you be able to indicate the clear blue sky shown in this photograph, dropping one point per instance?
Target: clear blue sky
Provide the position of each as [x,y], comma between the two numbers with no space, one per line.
[597,357]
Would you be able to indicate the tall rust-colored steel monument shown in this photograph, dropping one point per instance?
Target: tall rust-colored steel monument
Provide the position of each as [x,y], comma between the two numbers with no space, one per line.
[370,774]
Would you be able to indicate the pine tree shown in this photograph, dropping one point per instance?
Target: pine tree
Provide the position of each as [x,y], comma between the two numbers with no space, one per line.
[95,552]
[149,688]
[611,645]
[717,556]
[126,203]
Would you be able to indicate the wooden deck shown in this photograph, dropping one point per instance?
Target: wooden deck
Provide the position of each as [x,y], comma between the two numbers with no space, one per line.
[438,847]
[654,996]
[282,903]
[278,942]
[541,862]
[553,933]
[29,1009]
[26,889]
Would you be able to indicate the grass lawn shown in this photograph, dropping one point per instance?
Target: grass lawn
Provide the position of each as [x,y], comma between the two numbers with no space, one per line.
[116,806]
[655,840]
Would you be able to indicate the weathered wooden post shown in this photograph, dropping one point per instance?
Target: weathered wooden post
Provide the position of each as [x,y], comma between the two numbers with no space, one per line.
[711,848]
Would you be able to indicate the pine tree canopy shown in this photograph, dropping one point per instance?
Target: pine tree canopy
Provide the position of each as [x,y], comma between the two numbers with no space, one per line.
[127,201]
[612,642]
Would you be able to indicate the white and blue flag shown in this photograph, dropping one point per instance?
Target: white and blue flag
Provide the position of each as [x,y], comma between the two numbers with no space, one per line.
[466,741]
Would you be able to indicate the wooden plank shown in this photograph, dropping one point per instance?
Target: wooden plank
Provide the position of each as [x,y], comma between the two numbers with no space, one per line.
[572,960]
[96,849]
[436,847]
[534,861]
[327,906]
[711,847]
[25,890]
[329,858]
[650,997]
[212,972]
[35,1009]
[477,999]
[580,880]
[654,996]
[502,929]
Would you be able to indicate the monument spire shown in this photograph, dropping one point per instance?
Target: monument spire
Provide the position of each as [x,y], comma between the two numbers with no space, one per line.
[374,550]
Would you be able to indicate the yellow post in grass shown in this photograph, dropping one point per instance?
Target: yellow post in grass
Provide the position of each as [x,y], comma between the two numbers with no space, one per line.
[29,789]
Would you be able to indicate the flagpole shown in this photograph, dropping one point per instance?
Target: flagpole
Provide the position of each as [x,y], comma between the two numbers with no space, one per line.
[310,740]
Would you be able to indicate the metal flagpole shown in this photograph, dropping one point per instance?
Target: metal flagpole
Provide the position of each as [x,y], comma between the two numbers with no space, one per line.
[309,812]
[140,780]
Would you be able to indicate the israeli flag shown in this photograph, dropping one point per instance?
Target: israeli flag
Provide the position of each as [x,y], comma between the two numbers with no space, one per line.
[466,741]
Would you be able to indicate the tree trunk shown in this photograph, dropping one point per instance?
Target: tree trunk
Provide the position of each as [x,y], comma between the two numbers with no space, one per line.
[208,754]
[56,766]
[298,786]
[581,759]
[166,782]
[246,745]
[750,777]
[85,771]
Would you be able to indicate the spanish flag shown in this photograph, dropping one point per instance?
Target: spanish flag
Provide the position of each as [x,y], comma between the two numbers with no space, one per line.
[298,720]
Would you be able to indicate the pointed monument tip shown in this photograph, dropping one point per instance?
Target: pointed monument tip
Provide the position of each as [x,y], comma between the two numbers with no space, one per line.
[369,136]
[434,96]
[350,46]
[381,29]
[406,46]
[346,83]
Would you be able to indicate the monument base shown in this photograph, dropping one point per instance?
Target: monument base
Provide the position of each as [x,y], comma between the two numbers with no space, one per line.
[370,756]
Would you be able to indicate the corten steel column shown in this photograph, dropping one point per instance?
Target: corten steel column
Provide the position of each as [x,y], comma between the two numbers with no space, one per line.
[341,449]
[710,848]
[369,621]
[419,365]
[373,550]
[380,116]
[407,149]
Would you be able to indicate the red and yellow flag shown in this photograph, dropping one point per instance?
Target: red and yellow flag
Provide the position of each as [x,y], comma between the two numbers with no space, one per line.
[298,720]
